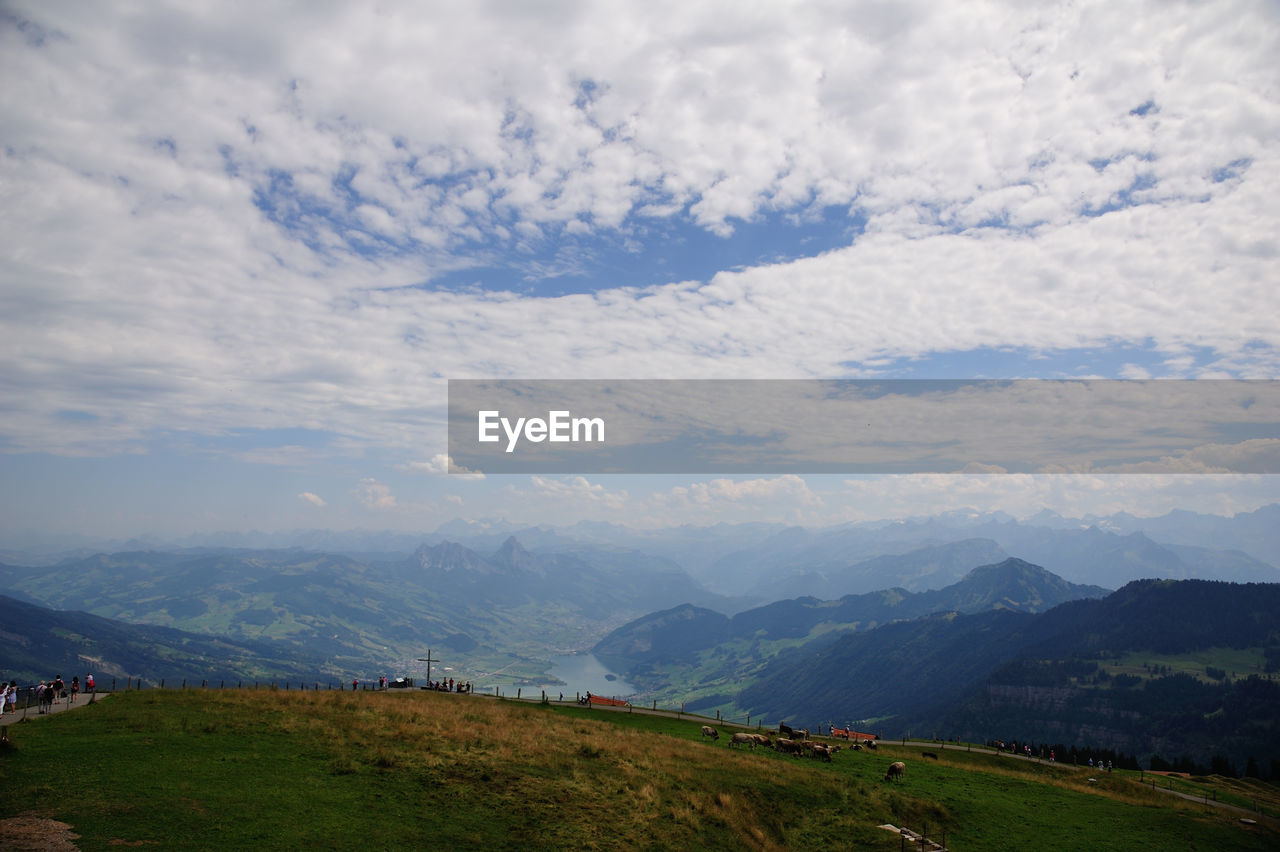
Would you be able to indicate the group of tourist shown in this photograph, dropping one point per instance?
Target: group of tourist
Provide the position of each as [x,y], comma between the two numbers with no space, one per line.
[47,693]
[445,685]
[449,685]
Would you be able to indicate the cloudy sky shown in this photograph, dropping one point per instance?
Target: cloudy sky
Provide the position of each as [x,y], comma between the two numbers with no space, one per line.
[245,246]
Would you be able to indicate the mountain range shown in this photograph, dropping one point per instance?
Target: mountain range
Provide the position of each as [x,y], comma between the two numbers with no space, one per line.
[680,634]
[757,562]
[508,608]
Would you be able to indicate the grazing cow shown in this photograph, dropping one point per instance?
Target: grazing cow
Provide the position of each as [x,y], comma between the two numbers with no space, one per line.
[821,752]
[929,754]
[896,771]
[741,739]
[871,744]
[784,729]
[789,746]
[802,734]
[761,739]
[708,731]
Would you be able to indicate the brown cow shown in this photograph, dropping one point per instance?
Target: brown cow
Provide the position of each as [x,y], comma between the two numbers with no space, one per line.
[792,747]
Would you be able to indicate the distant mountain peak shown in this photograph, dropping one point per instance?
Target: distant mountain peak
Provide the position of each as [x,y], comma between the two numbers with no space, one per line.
[512,547]
[1009,567]
[1015,584]
[450,556]
[512,555]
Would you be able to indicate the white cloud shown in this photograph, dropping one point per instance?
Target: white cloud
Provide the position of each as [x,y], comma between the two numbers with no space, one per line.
[789,488]
[314,499]
[441,465]
[252,237]
[374,495]
[577,489]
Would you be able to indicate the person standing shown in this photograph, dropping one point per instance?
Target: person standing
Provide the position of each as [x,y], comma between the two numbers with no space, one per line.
[75,687]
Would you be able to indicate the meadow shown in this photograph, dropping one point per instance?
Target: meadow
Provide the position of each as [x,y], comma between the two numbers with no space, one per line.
[330,769]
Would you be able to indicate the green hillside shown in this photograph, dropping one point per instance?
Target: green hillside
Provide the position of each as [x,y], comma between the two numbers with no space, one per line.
[1208,685]
[233,769]
[704,659]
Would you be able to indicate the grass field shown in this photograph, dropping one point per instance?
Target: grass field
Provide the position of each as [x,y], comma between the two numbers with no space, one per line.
[229,769]
[1236,662]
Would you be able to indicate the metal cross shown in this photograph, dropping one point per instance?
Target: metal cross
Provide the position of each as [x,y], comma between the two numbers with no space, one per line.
[428,660]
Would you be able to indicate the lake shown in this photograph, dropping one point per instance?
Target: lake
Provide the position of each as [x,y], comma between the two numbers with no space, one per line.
[583,673]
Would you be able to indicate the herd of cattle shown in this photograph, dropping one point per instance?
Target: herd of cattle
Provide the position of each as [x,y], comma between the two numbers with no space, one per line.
[797,743]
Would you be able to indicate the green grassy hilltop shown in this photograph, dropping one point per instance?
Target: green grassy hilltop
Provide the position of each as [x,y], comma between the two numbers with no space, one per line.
[226,769]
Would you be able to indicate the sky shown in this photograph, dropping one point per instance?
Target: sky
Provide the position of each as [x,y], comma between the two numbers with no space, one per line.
[245,246]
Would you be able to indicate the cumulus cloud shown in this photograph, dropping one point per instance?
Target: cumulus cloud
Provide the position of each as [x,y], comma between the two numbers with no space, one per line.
[314,499]
[439,465]
[789,488]
[374,495]
[578,490]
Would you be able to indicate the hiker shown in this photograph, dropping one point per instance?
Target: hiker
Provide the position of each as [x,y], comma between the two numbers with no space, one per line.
[88,683]
[355,683]
[11,697]
[59,689]
[75,687]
